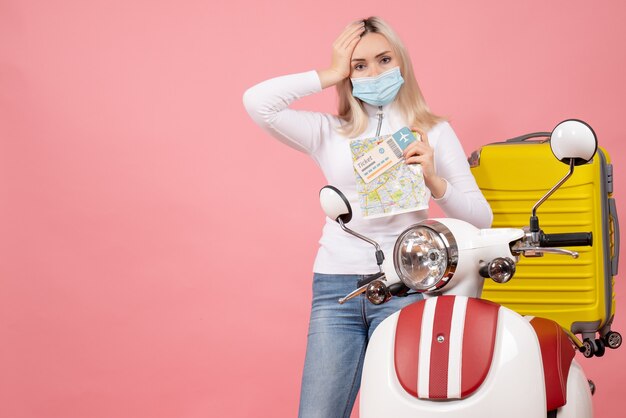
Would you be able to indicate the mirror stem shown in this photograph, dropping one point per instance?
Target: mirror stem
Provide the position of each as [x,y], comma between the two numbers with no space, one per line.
[534,225]
[380,256]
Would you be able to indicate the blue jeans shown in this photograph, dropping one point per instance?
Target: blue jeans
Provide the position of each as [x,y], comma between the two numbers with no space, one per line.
[337,339]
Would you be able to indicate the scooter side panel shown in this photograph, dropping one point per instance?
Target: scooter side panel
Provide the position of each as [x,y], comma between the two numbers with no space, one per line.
[579,403]
[513,388]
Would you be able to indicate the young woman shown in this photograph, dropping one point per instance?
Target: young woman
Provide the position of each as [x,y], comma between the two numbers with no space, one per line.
[378,94]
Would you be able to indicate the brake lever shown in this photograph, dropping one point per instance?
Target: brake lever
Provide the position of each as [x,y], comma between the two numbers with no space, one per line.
[532,251]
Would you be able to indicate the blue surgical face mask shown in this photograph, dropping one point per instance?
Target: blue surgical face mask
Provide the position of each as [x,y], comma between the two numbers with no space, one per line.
[379,90]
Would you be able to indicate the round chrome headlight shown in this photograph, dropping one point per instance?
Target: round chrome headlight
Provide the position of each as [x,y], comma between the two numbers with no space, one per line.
[425,256]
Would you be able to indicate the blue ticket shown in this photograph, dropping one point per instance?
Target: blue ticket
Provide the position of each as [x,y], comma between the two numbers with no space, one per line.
[404,137]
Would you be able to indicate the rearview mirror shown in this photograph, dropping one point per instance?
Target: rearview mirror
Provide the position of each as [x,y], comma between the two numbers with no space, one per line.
[573,140]
[335,204]
[574,143]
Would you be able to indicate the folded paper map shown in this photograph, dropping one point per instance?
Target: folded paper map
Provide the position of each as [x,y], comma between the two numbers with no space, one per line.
[385,183]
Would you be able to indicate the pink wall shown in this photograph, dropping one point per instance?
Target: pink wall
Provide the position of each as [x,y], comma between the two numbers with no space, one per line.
[156,246]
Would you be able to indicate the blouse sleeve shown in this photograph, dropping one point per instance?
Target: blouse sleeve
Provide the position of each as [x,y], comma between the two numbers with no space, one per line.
[268,102]
[463,199]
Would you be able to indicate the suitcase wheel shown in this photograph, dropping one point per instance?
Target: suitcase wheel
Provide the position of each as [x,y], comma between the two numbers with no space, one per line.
[592,348]
[600,348]
[587,348]
[613,339]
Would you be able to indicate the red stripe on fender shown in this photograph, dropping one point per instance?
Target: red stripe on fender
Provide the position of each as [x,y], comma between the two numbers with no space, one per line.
[440,348]
[407,345]
[481,320]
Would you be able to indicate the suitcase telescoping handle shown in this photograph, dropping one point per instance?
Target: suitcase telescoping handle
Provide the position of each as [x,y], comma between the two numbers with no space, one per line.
[614,218]
[574,239]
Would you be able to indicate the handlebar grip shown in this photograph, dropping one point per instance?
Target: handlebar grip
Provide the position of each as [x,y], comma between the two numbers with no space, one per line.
[575,239]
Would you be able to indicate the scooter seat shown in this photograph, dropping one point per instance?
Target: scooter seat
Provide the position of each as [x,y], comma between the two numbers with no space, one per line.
[557,353]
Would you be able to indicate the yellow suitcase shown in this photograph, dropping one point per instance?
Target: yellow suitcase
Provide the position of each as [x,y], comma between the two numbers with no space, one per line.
[577,293]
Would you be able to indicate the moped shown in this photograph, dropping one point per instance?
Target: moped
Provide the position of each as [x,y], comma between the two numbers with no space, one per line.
[454,354]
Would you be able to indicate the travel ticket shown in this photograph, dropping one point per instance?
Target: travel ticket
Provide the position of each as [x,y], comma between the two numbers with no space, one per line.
[386,154]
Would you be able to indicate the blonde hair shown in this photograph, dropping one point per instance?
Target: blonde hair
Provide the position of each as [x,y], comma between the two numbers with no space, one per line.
[410,100]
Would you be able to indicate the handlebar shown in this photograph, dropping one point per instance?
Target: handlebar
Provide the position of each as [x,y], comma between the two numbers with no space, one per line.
[575,239]
[369,278]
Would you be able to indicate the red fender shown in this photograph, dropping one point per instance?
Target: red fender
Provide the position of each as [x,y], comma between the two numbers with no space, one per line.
[557,353]
[472,347]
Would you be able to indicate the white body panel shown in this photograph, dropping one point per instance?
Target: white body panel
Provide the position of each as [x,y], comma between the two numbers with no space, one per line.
[513,388]
[579,404]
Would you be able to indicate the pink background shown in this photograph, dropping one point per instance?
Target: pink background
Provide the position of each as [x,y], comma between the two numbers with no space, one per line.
[156,246]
